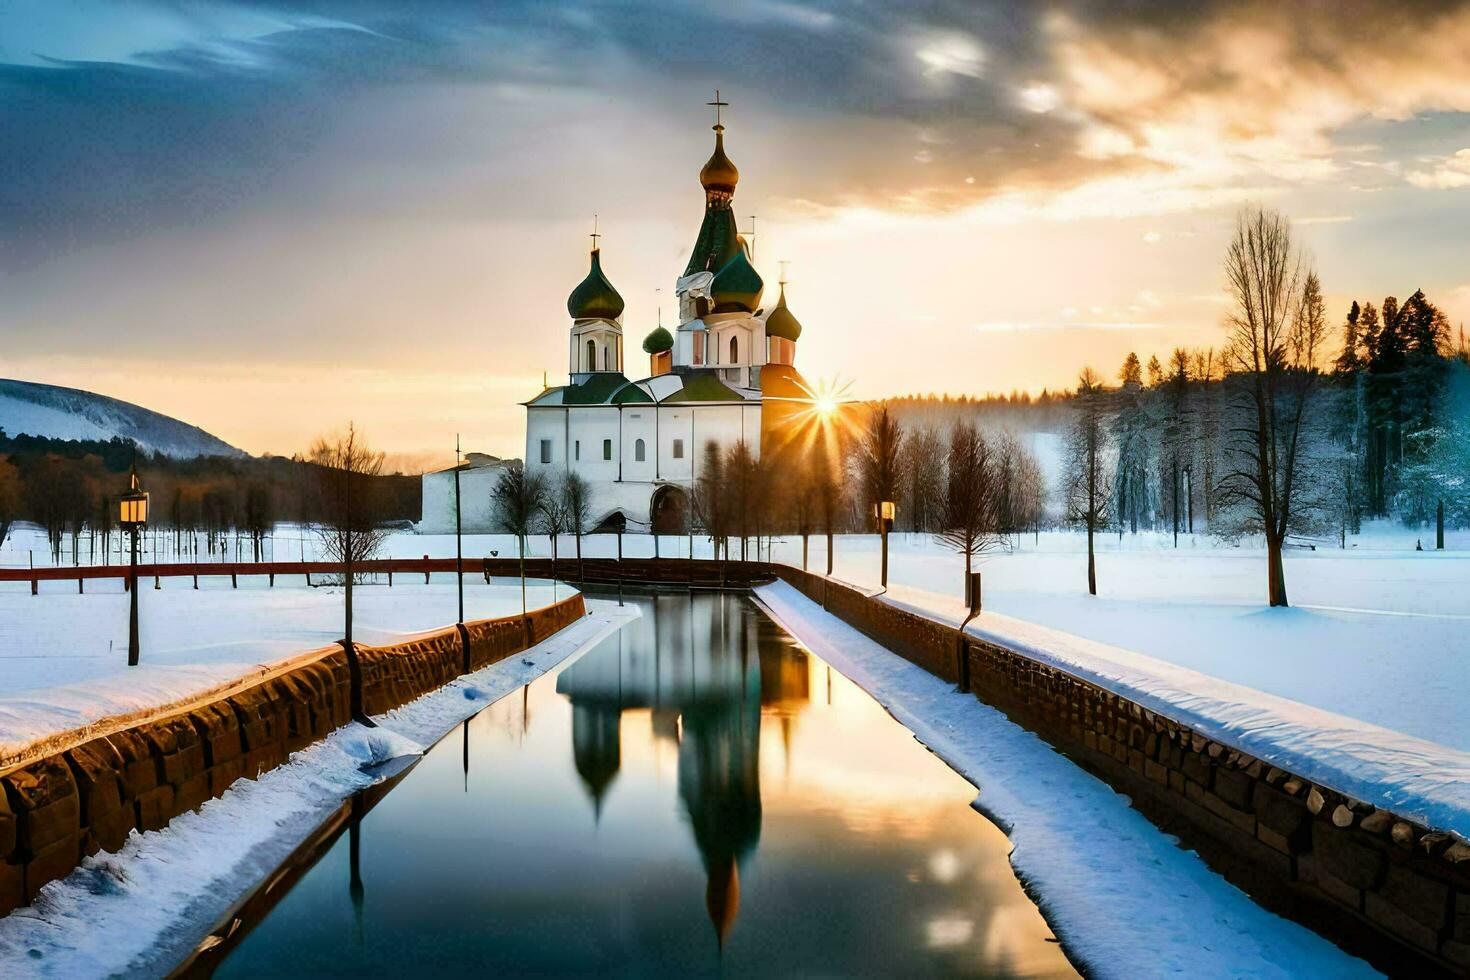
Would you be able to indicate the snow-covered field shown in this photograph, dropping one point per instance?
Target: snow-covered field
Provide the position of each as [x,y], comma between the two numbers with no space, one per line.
[1377,632]
[140,911]
[1125,899]
[63,656]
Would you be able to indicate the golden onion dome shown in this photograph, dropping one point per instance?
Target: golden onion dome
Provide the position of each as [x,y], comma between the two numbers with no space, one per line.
[781,322]
[737,286]
[595,298]
[719,175]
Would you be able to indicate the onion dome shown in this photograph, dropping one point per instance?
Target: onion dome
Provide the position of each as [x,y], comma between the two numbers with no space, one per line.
[737,286]
[719,175]
[780,322]
[595,298]
[658,341]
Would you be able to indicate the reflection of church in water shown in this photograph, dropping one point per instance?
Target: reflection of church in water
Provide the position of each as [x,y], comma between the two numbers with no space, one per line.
[706,672]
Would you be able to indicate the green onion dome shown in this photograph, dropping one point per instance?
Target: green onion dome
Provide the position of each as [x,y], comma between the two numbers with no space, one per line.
[658,341]
[780,322]
[595,298]
[737,286]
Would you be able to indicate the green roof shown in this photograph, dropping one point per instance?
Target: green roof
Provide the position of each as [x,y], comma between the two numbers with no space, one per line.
[631,394]
[596,390]
[717,242]
[705,388]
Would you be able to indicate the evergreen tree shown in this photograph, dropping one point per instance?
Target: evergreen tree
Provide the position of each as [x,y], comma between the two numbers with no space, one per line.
[1131,373]
[1349,361]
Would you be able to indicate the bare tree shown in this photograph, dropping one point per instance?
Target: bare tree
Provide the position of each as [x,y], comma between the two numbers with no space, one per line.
[1089,486]
[968,514]
[551,514]
[828,494]
[1273,342]
[878,457]
[517,503]
[711,499]
[349,522]
[576,499]
[923,479]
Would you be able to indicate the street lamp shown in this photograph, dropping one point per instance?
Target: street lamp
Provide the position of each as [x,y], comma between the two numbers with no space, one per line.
[458,540]
[885,513]
[132,516]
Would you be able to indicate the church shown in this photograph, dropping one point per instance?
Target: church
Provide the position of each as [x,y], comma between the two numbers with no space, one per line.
[726,374]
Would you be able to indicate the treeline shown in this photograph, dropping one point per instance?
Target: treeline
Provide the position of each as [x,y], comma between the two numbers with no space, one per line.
[1386,432]
[1289,442]
[201,507]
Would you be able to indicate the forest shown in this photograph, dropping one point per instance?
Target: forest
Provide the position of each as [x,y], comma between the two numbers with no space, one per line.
[200,508]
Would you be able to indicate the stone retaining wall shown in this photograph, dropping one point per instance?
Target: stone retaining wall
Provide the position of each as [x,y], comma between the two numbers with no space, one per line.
[1382,886]
[87,798]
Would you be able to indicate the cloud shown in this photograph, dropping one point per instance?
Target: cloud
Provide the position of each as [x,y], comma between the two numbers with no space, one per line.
[953,53]
[1446,174]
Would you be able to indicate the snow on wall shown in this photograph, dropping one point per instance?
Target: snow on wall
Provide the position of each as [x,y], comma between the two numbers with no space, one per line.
[1413,778]
[1124,898]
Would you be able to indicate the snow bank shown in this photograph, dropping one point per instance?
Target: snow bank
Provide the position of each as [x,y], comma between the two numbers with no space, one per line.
[1421,780]
[140,911]
[1125,900]
[63,657]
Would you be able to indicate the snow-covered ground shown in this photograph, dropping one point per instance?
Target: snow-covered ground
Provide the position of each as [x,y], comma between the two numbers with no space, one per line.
[140,911]
[1125,899]
[1376,632]
[63,656]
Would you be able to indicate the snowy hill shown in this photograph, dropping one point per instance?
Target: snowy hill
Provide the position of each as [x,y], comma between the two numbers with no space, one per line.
[70,413]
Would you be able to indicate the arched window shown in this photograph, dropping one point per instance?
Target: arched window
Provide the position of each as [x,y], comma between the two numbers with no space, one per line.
[639,454]
[734,350]
[592,355]
[606,351]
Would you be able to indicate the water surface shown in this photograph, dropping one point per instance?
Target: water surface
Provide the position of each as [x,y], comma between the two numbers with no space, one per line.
[696,795]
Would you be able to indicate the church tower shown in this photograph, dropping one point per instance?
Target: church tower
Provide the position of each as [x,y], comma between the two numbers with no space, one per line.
[720,290]
[596,310]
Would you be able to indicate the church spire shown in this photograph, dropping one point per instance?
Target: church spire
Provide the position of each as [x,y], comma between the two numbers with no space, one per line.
[719,239]
[718,176]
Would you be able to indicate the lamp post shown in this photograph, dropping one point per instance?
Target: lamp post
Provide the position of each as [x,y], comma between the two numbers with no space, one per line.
[458,544]
[132,516]
[886,511]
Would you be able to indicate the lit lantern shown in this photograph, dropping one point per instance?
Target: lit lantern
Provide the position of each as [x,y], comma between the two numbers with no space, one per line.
[132,506]
[132,514]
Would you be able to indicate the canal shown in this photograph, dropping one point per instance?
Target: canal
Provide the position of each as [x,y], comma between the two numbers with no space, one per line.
[696,795]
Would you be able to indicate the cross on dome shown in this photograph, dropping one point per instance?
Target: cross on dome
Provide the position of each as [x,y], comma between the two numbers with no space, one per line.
[718,105]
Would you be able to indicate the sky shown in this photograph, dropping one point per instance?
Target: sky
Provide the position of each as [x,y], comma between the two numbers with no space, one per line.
[269,219]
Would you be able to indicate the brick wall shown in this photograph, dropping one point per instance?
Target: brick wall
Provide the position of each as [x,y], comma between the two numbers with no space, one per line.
[1383,886]
[59,809]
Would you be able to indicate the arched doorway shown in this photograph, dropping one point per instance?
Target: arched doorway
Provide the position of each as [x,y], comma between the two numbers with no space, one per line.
[669,511]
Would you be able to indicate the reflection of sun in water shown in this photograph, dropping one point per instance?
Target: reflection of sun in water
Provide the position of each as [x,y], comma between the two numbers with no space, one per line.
[949,930]
[944,866]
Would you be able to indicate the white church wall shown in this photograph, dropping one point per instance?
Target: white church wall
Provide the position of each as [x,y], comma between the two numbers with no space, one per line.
[476,487]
